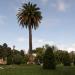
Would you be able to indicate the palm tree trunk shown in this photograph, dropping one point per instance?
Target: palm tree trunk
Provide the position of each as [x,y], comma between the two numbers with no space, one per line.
[30,40]
[30,61]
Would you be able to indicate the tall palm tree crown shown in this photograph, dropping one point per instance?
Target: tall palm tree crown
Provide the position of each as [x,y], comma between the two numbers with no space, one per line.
[29,16]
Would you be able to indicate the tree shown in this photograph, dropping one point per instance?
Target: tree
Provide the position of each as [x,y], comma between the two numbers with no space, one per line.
[9,60]
[72,56]
[29,16]
[5,45]
[18,59]
[39,55]
[59,56]
[1,51]
[22,53]
[49,59]
[66,59]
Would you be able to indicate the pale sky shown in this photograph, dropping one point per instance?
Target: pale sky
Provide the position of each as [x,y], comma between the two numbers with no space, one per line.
[56,28]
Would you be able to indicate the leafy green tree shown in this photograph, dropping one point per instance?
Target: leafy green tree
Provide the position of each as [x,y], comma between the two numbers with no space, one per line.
[5,45]
[74,60]
[49,59]
[18,59]
[72,56]
[9,51]
[22,53]
[59,56]
[12,56]
[1,52]
[4,48]
[66,59]
[9,56]
[9,60]
[29,16]
[26,58]
[46,46]
[39,55]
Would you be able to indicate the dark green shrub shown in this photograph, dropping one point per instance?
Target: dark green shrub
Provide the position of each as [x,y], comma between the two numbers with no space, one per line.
[9,60]
[74,60]
[66,59]
[18,59]
[49,59]
[26,58]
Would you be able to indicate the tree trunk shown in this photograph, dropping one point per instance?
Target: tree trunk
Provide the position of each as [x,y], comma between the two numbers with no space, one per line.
[30,40]
[31,59]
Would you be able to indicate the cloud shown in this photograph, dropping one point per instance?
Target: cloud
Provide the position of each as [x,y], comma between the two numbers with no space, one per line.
[21,39]
[61,5]
[39,42]
[71,48]
[42,42]
[67,47]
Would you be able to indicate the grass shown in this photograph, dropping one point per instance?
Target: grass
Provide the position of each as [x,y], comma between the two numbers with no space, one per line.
[35,70]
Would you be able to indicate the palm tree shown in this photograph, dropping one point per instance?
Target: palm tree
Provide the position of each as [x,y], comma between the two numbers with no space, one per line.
[29,16]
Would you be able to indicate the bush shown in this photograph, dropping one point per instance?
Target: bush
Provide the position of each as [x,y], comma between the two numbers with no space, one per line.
[66,59]
[26,58]
[49,59]
[39,59]
[9,60]
[74,62]
[18,59]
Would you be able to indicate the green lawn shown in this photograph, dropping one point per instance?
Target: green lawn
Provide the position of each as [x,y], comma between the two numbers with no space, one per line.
[35,70]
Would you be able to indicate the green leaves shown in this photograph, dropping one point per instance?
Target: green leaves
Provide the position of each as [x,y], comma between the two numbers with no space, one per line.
[49,59]
[29,14]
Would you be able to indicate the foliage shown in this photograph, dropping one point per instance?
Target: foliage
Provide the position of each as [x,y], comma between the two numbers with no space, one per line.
[26,57]
[61,57]
[11,56]
[49,59]
[22,53]
[29,15]
[5,45]
[9,60]
[72,56]
[58,56]
[66,59]
[18,59]
[39,55]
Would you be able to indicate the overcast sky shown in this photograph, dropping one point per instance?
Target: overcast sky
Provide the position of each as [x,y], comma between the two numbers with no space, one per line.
[56,28]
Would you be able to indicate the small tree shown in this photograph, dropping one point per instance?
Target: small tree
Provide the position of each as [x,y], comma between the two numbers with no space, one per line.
[22,53]
[9,60]
[66,59]
[59,56]
[18,59]
[74,59]
[49,59]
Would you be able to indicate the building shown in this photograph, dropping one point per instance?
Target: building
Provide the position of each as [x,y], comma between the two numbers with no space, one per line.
[2,61]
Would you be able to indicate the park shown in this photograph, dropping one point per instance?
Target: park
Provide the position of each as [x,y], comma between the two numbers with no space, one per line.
[34,56]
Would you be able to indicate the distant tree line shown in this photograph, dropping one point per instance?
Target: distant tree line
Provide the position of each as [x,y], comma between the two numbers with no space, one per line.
[46,55]
[12,56]
[49,55]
